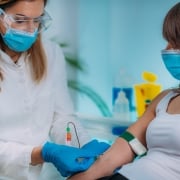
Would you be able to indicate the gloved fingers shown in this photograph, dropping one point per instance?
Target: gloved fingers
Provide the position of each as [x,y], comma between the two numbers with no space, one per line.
[102,146]
[95,148]
[50,149]
[76,159]
[83,160]
[94,144]
[90,144]
[83,164]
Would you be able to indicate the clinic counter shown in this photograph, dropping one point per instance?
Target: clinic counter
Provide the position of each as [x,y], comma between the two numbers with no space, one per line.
[103,128]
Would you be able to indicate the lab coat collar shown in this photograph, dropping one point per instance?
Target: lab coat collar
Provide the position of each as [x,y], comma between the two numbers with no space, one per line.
[7,59]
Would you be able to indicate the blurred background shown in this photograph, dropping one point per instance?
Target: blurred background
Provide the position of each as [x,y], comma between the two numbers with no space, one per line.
[114,41]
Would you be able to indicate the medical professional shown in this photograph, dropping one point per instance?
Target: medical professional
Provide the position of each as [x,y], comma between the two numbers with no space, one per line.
[35,108]
[154,138]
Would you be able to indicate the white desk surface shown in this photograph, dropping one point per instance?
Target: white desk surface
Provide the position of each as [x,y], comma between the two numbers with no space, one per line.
[101,127]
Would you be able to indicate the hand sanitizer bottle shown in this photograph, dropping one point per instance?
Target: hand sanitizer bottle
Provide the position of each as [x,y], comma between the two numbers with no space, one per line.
[121,107]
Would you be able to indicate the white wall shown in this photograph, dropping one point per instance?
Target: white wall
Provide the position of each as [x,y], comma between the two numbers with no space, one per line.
[64,30]
[110,35]
[65,21]
[116,34]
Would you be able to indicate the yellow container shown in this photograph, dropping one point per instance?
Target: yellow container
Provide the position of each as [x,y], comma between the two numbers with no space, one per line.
[145,92]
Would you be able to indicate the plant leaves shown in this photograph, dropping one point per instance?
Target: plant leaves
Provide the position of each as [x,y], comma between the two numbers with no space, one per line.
[96,98]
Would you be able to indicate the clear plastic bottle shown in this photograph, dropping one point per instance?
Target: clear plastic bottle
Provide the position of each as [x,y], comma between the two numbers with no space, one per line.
[121,109]
[123,81]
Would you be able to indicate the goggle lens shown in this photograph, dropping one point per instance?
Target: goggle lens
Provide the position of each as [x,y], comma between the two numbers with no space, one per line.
[25,23]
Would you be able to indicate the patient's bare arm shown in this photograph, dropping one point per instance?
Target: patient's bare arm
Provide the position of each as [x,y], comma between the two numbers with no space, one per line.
[120,152]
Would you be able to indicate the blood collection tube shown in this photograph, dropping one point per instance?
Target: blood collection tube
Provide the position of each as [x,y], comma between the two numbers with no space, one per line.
[68,136]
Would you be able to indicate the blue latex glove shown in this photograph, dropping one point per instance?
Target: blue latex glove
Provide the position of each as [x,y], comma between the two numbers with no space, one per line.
[95,147]
[69,160]
[64,158]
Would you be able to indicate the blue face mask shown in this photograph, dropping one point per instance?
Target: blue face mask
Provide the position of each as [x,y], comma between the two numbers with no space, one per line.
[19,41]
[171,59]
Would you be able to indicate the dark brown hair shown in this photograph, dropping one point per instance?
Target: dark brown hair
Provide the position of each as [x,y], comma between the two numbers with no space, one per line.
[171,30]
[171,26]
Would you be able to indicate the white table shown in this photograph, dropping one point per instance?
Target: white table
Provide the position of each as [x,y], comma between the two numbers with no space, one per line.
[101,127]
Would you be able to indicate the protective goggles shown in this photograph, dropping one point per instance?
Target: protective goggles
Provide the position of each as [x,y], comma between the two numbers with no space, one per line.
[25,23]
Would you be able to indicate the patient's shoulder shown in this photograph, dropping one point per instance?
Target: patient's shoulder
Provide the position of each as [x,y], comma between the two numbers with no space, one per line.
[153,105]
[162,95]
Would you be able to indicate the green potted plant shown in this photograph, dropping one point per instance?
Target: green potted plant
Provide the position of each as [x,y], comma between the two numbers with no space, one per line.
[82,88]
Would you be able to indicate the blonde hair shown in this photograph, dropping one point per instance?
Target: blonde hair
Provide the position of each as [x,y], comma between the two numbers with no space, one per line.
[37,58]
[37,61]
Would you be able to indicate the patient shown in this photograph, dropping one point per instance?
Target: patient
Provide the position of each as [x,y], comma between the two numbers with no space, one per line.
[157,130]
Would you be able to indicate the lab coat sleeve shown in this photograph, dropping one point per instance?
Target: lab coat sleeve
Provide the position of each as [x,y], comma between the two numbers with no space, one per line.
[15,160]
[63,110]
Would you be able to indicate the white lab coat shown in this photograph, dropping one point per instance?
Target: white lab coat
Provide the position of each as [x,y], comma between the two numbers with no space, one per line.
[31,114]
